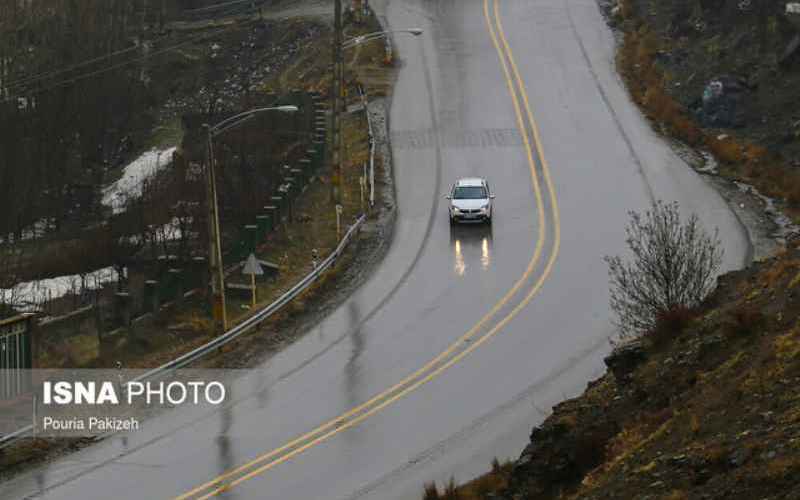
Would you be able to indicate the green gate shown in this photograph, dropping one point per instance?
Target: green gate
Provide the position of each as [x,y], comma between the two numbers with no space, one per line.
[16,358]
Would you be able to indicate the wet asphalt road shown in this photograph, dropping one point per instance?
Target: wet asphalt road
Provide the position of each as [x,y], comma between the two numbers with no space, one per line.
[537,272]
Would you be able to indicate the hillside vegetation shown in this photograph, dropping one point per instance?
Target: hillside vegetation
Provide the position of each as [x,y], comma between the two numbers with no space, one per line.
[705,406]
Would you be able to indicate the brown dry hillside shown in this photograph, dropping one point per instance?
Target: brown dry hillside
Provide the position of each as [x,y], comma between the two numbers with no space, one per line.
[707,406]
[720,75]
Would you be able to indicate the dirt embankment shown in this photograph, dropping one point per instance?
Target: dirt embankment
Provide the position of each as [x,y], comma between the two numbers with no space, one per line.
[721,76]
[706,407]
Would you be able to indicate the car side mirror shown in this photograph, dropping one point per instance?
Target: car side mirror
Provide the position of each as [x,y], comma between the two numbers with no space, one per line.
[447,196]
[491,196]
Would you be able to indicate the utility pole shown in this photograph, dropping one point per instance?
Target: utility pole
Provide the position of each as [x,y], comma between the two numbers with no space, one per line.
[215,263]
[214,244]
[337,89]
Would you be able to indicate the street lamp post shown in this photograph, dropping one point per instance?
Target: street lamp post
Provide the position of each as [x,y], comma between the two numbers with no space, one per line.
[337,89]
[357,40]
[337,86]
[215,264]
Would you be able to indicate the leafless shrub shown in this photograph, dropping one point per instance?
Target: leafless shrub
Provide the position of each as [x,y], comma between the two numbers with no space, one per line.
[673,267]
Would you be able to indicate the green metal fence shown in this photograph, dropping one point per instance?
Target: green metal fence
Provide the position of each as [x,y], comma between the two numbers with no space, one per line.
[16,357]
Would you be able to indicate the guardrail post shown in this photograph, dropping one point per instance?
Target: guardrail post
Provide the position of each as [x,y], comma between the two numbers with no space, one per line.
[200,269]
[290,194]
[319,159]
[272,212]
[307,167]
[122,306]
[161,264]
[176,278]
[298,173]
[262,224]
[319,132]
[277,201]
[251,232]
[151,296]
[312,155]
[97,318]
[34,334]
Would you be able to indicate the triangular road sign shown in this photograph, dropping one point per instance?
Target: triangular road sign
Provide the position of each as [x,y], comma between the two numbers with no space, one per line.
[252,266]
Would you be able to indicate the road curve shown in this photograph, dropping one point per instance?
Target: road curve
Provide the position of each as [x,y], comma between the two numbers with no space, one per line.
[462,339]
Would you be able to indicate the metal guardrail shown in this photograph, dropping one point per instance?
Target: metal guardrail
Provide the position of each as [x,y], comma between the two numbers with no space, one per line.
[10,438]
[365,101]
[234,332]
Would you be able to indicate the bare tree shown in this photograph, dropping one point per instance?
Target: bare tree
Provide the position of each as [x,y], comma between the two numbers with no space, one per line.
[674,267]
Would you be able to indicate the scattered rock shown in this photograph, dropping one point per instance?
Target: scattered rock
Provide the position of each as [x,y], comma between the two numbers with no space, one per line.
[710,343]
[678,460]
[721,97]
[624,359]
[739,457]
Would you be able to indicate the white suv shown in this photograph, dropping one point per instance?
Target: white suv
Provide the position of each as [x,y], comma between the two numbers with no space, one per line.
[470,201]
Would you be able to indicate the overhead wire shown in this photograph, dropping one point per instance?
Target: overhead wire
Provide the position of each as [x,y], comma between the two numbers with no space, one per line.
[24,82]
[49,74]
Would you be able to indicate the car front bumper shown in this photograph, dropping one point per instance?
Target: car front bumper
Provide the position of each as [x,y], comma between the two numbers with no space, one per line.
[469,218]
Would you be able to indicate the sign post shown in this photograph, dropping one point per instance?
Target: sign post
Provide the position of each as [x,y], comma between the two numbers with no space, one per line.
[253,268]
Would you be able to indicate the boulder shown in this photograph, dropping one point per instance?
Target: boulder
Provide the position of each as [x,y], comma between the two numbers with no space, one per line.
[624,359]
[721,97]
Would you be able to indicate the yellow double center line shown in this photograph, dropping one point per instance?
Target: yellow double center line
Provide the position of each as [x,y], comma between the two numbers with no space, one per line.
[463,345]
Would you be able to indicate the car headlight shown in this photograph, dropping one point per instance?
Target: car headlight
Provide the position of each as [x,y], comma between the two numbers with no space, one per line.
[456,210]
[485,208]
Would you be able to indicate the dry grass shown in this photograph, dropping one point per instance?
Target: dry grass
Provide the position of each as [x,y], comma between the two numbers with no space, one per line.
[787,347]
[779,468]
[715,454]
[669,325]
[492,483]
[676,495]
[726,150]
[628,439]
[694,424]
[782,269]
[744,320]
[746,161]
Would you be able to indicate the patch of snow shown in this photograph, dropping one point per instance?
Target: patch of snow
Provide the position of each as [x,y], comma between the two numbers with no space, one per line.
[171,231]
[709,163]
[37,230]
[30,295]
[136,172]
[785,226]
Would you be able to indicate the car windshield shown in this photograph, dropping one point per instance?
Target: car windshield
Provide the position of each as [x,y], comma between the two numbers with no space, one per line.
[469,193]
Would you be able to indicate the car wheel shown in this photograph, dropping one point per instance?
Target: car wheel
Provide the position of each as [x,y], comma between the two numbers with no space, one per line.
[452,221]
